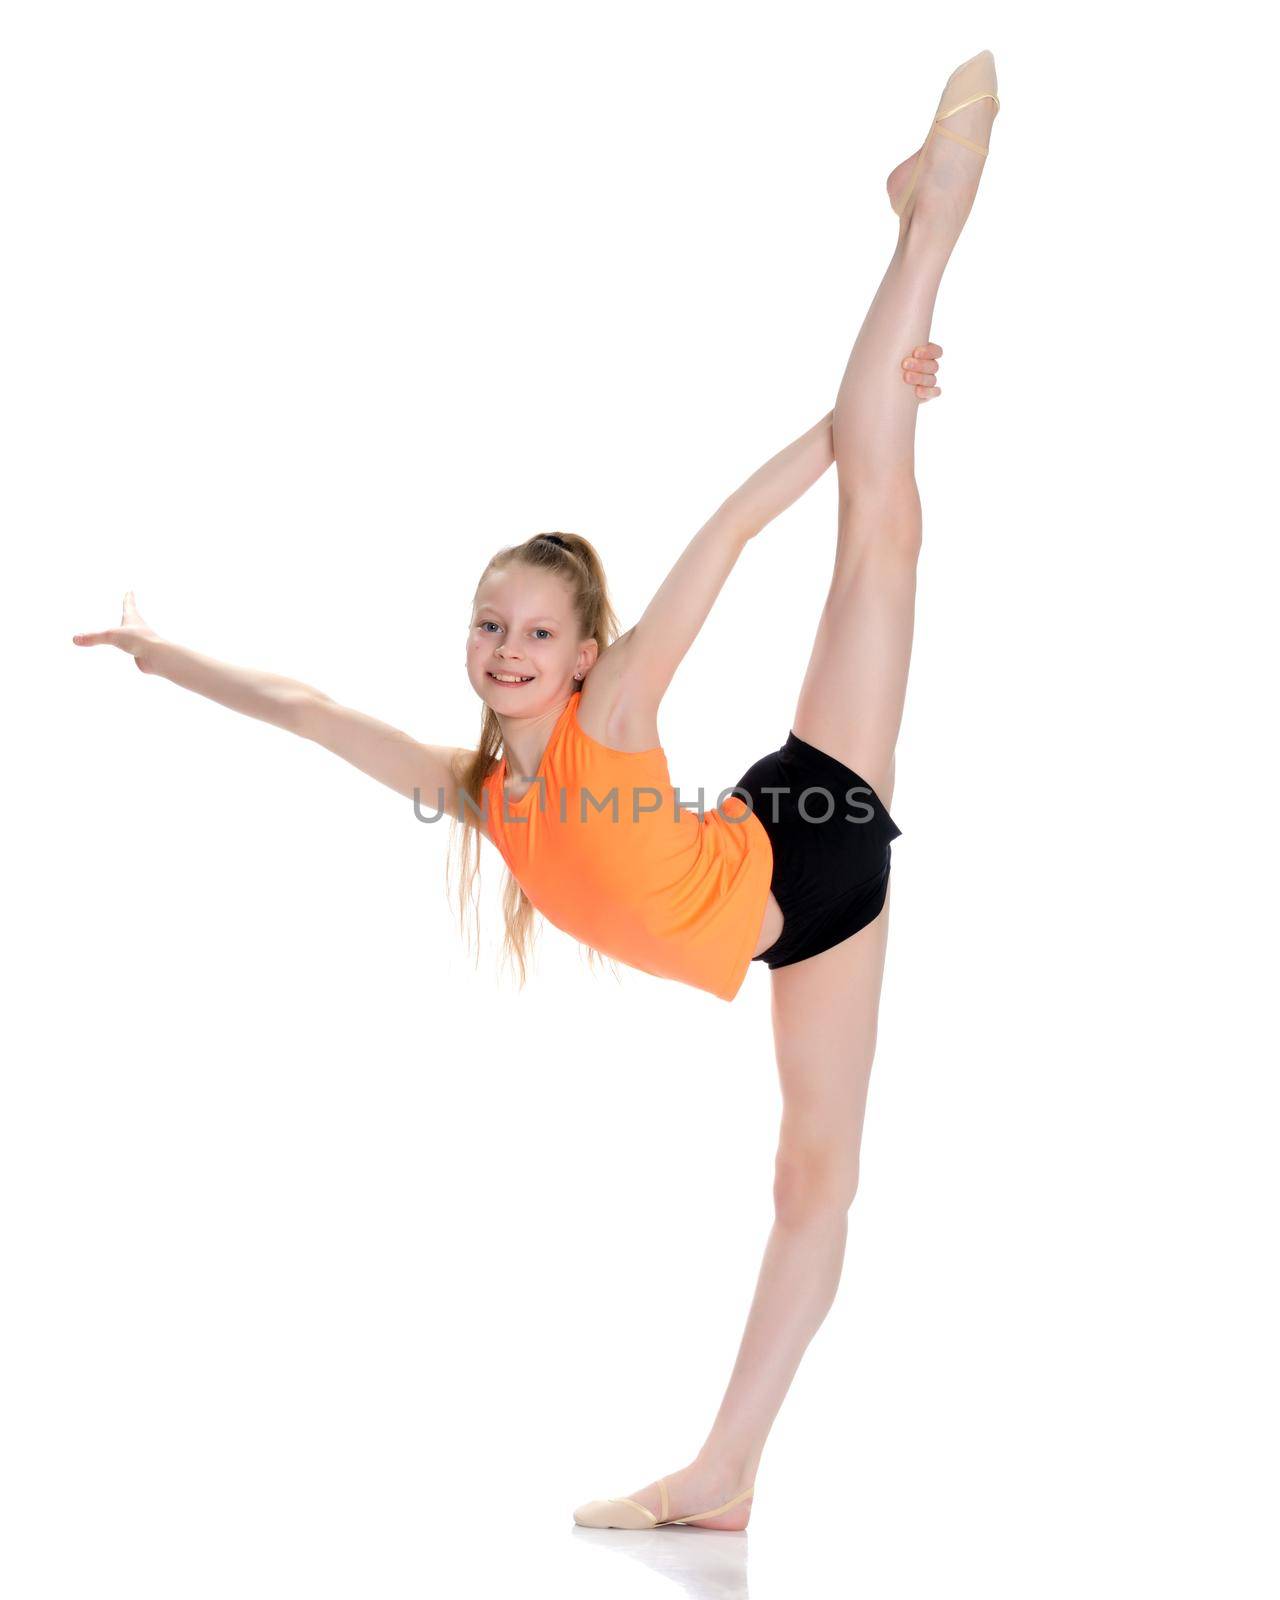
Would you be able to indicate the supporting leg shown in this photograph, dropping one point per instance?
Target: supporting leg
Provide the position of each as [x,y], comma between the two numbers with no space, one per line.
[825,1013]
[824,1021]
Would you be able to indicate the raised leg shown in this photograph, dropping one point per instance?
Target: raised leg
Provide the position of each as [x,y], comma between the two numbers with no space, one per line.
[852,697]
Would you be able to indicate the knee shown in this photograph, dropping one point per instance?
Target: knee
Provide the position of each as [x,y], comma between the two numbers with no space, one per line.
[881,518]
[814,1183]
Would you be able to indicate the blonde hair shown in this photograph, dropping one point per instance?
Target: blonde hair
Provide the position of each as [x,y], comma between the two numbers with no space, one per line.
[579,564]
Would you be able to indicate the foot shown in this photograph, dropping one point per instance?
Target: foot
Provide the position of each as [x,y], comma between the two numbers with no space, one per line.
[947,181]
[698,1487]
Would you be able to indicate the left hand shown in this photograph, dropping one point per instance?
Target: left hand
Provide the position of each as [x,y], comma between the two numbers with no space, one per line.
[920,368]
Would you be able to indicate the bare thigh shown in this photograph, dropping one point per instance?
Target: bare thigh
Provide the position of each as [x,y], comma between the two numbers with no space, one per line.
[855,685]
[825,1015]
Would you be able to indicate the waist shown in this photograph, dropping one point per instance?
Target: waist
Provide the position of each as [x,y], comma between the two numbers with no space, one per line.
[657,886]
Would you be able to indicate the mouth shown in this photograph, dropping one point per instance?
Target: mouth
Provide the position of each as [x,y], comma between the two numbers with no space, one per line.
[509,680]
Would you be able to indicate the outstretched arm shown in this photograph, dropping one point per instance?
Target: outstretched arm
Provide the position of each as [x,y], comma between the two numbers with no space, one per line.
[384,752]
[264,695]
[652,650]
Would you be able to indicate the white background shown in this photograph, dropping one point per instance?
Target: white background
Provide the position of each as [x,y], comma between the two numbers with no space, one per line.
[334,1266]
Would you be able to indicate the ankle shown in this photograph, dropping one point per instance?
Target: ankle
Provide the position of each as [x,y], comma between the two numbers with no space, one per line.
[928,239]
[733,1465]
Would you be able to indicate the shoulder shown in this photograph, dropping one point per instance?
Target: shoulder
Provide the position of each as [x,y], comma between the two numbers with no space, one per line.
[608,711]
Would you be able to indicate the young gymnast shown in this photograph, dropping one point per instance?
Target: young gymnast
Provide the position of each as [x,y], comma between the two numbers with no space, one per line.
[791,867]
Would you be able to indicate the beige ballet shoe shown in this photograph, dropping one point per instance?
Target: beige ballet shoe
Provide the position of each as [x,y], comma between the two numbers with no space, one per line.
[625,1513]
[974,80]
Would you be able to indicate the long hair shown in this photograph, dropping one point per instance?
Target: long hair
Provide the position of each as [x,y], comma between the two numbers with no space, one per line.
[579,564]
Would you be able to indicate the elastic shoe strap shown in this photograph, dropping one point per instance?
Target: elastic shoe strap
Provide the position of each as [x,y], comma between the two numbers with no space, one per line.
[960,139]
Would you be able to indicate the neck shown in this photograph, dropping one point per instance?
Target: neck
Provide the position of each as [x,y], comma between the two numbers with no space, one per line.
[525,739]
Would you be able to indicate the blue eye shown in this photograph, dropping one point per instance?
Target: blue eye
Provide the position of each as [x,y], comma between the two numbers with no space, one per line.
[489,623]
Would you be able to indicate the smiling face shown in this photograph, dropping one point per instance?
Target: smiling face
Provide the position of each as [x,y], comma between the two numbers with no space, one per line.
[523,646]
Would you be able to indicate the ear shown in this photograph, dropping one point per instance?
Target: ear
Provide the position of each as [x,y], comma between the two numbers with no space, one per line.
[587,658]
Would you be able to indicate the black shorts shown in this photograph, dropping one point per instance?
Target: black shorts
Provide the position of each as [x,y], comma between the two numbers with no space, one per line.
[830,833]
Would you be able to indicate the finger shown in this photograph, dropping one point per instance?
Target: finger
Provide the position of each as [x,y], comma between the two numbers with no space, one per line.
[91,638]
[911,364]
[934,350]
[923,392]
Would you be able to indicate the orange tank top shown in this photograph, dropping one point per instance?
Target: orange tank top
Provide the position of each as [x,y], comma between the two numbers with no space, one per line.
[600,847]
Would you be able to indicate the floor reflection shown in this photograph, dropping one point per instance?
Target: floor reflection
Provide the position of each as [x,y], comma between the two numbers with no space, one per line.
[707,1563]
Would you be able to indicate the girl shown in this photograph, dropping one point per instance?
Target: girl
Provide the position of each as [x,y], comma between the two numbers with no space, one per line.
[790,868]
